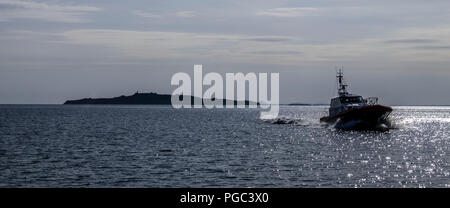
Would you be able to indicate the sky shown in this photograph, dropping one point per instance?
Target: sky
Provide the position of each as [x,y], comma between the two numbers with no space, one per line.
[54,50]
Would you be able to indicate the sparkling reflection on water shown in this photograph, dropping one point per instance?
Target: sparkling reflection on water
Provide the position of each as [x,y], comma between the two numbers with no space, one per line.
[157,146]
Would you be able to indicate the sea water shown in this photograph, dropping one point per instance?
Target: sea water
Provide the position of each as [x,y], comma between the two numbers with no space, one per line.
[158,146]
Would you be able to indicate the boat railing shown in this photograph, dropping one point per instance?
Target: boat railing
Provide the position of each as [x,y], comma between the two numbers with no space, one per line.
[371,100]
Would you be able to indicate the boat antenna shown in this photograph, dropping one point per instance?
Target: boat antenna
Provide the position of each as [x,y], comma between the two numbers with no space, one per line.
[342,87]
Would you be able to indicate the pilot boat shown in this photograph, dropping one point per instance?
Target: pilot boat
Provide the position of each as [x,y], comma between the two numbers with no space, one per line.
[351,111]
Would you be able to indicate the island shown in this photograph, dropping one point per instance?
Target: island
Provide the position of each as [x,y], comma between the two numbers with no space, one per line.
[142,99]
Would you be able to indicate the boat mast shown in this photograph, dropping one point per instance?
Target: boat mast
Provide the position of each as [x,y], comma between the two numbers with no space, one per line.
[342,87]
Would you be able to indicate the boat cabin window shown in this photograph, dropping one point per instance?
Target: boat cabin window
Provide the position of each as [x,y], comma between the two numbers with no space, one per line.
[335,102]
[357,99]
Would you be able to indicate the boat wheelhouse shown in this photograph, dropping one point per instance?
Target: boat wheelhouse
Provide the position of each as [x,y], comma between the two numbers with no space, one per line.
[351,107]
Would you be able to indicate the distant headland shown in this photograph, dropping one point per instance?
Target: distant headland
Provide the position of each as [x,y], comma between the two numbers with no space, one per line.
[139,99]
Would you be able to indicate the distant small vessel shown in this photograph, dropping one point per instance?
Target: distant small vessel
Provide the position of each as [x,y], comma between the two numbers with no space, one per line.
[351,111]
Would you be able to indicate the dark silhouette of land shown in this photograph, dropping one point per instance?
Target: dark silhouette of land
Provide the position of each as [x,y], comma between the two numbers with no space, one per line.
[141,99]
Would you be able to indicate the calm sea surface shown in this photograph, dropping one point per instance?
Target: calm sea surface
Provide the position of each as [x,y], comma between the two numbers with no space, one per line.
[157,146]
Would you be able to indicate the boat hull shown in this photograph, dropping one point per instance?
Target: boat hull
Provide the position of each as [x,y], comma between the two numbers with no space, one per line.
[364,117]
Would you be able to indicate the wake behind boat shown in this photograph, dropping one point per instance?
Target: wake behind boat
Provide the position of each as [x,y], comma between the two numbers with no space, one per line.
[351,111]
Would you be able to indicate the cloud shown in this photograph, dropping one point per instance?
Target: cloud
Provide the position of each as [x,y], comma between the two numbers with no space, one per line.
[433,47]
[411,41]
[289,12]
[277,52]
[270,39]
[182,14]
[186,14]
[16,9]
[145,14]
[149,45]
[240,48]
[20,35]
